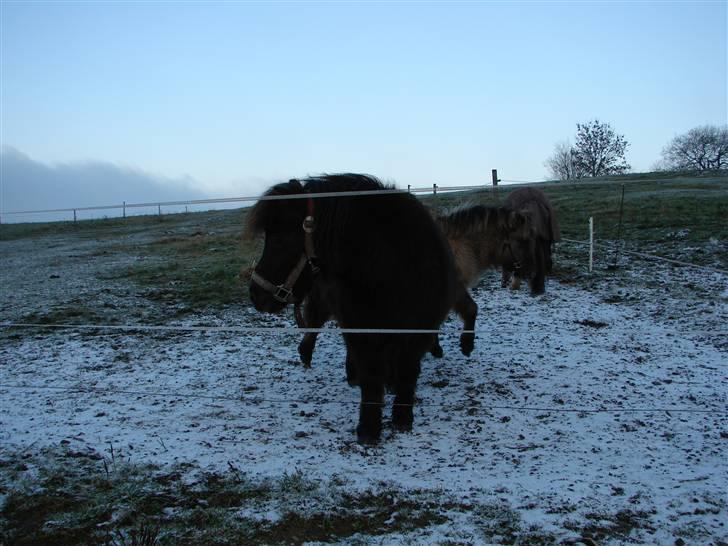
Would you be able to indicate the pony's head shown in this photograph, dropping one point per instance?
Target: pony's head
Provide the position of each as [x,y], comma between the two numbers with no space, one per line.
[518,241]
[284,273]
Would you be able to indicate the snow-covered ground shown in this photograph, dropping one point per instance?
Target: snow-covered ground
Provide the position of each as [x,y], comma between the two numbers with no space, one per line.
[603,396]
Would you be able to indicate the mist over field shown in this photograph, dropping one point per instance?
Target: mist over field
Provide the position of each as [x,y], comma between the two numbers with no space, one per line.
[28,184]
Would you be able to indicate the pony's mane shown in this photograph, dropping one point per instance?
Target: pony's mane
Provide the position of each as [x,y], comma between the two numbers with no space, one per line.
[344,182]
[477,220]
[266,213]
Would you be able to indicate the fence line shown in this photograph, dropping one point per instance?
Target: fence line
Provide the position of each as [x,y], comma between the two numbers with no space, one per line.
[239,329]
[319,195]
[650,256]
[276,329]
[425,189]
[253,399]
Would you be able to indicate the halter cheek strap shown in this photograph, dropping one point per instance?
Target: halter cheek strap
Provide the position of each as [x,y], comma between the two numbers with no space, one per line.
[284,292]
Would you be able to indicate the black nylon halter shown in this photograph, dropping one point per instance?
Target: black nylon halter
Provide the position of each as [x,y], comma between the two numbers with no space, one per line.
[284,292]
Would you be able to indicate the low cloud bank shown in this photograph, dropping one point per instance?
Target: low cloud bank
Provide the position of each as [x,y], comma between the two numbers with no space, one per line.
[27,184]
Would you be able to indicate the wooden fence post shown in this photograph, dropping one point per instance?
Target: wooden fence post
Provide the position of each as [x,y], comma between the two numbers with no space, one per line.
[619,229]
[591,244]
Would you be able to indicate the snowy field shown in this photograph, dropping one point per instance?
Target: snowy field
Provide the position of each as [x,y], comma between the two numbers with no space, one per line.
[603,401]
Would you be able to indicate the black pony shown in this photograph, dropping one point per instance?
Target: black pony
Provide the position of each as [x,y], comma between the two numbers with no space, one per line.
[381,263]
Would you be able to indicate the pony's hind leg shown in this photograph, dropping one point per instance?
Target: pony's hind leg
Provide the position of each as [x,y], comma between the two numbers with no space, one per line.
[468,311]
[505,276]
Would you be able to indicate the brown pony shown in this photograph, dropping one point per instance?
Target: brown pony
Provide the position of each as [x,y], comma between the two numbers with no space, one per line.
[534,203]
[480,238]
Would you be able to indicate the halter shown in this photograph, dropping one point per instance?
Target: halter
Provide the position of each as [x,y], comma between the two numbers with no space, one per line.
[284,292]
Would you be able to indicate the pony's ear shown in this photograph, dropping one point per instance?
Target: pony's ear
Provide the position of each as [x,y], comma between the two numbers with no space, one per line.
[295,184]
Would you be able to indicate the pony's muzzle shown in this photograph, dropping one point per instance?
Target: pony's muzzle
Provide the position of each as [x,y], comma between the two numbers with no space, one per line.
[264,301]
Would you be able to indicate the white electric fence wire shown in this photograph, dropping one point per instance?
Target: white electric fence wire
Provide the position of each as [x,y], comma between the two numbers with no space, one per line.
[651,257]
[275,329]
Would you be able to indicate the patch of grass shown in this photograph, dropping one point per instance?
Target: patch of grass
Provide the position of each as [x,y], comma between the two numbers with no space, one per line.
[71,313]
[604,526]
[97,228]
[203,265]
[62,496]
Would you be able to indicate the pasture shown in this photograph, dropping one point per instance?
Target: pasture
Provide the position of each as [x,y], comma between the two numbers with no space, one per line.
[597,412]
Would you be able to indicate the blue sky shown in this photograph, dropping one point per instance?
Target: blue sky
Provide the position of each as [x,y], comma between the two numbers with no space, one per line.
[229,97]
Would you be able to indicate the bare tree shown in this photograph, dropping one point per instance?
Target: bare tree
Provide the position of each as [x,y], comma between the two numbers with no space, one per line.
[599,150]
[703,148]
[561,164]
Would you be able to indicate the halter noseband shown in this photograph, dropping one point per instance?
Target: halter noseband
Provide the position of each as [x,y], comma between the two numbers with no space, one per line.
[284,292]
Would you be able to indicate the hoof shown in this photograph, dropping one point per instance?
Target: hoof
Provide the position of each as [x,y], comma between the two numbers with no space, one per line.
[306,355]
[366,438]
[467,344]
[537,290]
[402,418]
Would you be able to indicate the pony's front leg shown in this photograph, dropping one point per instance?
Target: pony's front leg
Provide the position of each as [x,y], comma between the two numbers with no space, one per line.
[369,428]
[404,399]
[468,311]
[505,276]
[436,349]
[306,347]
[538,281]
[315,314]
